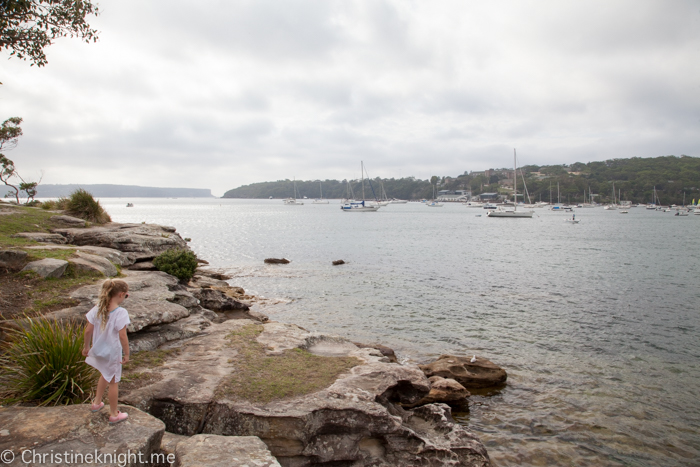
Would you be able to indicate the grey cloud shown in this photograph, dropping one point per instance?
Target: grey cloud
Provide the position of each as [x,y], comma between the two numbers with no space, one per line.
[261,90]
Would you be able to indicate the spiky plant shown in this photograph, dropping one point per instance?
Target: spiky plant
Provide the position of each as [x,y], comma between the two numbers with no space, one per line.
[81,204]
[42,362]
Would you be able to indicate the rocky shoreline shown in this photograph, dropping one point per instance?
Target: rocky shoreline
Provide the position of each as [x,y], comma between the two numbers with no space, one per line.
[375,413]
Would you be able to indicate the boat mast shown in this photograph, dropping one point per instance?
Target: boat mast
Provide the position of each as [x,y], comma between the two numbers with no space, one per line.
[613,194]
[362,176]
[515,182]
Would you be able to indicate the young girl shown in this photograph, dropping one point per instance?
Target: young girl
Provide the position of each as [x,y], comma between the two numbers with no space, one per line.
[106,330]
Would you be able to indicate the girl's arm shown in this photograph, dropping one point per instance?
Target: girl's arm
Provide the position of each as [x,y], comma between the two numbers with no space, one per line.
[125,344]
[87,338]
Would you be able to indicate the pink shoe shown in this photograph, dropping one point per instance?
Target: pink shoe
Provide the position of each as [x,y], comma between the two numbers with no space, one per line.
[96,408]
[121,416]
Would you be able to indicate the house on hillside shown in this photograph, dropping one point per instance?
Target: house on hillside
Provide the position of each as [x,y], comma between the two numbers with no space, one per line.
[489,196]
[454,195]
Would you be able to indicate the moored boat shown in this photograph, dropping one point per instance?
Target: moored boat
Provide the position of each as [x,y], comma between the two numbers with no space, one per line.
[502,212]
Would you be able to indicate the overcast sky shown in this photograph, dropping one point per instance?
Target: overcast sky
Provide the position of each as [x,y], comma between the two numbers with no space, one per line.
[217,94]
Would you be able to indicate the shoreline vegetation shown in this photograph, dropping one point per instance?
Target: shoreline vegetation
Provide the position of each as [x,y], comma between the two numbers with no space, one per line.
[204,362]
[635,178]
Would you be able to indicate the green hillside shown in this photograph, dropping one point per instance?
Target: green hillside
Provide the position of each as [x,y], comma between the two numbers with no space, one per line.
[403,188]
[635,178]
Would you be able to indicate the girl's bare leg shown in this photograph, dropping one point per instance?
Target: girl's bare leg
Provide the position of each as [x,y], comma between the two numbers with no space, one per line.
[113,398]
[99,392]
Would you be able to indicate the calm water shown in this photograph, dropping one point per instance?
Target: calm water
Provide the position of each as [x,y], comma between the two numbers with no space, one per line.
[596,323]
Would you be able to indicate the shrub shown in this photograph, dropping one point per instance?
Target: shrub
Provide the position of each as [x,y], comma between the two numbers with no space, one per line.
[62,203]
[48,205]
[178,263]
[81,204]
[43,362]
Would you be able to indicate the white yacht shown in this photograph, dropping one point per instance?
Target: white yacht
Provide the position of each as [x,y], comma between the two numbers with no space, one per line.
[320,200]
[293,201]
[501,212]
[360,206]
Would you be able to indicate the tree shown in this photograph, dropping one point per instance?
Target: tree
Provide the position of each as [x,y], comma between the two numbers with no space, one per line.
[9,134]
[28,26]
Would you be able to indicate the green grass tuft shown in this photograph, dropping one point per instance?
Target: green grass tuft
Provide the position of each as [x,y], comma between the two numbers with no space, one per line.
[81,204]
[42,362]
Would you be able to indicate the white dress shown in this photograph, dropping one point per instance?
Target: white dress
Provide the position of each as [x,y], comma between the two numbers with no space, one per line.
[107,342]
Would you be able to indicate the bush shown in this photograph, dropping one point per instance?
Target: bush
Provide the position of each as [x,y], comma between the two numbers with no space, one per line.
[178,263]
[48,205]
[43,362]
[81,204]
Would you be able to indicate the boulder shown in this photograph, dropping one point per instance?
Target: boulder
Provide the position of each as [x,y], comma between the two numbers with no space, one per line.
[42,237]
[205,281]
[184,298]
[338,262]
[114,256]
[479,374]
[150,300]
[169,443]
[216,450]
[152,337]
[69,220]
[48,267]
[141,241]
[12,259]
[276,261]
[445,390]
[88,262]
[225,306]
[386,351]
[354,421]
[213,273]
[143,266]
[216,300]
[34,434]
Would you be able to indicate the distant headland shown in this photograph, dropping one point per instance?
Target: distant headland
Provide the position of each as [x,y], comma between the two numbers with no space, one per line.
[123,191]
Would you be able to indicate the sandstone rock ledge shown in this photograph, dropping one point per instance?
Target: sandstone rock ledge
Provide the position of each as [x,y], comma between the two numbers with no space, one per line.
[38,435]
[356,421]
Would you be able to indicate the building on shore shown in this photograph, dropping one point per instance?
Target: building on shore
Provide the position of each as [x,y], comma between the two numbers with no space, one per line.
[454,195]
[489,197]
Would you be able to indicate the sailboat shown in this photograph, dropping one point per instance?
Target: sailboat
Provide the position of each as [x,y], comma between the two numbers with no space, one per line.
[623,206]
[682,212]
[433,203]
[360,206]
[320,200]
[514,213]
[654,199]
[384,201]
[293,201]
[558,207]
[612,206]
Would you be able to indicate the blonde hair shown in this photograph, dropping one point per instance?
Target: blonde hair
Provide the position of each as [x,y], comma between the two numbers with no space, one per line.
[110,288]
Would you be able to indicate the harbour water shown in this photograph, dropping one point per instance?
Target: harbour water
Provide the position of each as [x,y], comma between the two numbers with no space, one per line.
[597,323]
